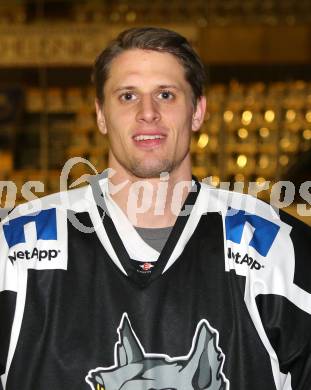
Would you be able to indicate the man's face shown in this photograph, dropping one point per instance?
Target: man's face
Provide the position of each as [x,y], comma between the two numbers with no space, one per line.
[148,113]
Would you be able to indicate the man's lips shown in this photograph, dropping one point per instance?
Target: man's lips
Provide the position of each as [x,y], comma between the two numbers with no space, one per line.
[147,140]
[145,137]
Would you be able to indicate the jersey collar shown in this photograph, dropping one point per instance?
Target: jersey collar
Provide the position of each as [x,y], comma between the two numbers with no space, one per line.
[124,243]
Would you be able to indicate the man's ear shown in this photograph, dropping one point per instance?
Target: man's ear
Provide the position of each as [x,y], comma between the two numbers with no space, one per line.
[199,112]
[101,122]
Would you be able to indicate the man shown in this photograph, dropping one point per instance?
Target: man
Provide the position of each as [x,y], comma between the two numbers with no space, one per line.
[147,279]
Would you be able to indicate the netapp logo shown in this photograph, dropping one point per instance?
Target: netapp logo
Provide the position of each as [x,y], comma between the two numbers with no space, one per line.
[45,225]
[264,231]
[244,259]
[35,254]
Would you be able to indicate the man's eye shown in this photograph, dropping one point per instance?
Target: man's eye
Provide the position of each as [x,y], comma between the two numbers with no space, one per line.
[127,96]
[166,95]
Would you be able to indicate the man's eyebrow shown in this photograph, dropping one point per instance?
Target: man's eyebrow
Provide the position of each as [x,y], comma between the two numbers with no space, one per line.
[165,86]
[124,88]
[131,87]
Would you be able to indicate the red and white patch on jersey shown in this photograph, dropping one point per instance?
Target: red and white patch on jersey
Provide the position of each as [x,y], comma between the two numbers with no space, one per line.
[147,266]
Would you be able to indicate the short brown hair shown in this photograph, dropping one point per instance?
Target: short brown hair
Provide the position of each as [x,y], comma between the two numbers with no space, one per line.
[151,38]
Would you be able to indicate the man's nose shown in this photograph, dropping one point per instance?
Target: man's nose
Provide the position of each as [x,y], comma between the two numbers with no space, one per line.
[148,110]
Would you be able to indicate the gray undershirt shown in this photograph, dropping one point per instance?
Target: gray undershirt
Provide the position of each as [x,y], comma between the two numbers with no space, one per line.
[155,237]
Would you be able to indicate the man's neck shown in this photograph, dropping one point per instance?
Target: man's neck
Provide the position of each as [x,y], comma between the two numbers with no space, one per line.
[152,202]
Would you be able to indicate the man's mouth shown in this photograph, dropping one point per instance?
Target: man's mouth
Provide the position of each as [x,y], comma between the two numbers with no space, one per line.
[149,141]
[147,137]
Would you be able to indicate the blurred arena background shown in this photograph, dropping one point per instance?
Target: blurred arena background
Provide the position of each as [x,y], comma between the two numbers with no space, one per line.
[257,55]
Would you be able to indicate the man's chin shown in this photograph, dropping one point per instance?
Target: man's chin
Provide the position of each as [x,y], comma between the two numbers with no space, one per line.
[150,171]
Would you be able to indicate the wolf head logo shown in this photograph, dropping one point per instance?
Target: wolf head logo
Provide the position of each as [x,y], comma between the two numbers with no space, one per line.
[134,369]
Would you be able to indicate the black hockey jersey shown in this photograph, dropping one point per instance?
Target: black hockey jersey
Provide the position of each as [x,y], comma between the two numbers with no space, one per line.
[225,305]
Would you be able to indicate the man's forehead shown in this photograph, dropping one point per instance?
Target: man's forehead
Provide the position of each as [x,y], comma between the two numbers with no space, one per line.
[141,55]
[132,66]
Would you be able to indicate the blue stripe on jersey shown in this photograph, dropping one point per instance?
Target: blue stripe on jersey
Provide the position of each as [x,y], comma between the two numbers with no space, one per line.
[45,222]
[264,234]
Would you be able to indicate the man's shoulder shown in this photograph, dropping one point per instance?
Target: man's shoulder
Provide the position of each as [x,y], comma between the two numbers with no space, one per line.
[34,235]
[74,199]
[239,209]
[44,219]
[230,202]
